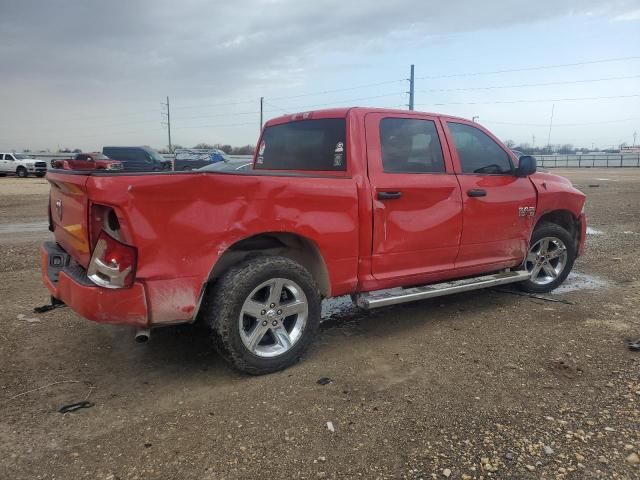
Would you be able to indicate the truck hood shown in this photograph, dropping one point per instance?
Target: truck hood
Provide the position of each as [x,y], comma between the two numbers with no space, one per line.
[539,177]
[557,193]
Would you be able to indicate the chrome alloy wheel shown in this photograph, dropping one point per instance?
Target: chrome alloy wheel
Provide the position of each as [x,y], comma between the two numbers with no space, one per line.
[273,317]
[546,260]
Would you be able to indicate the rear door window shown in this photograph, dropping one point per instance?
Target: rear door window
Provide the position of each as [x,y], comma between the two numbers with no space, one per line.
[477,151]
[304,145]
[410,146]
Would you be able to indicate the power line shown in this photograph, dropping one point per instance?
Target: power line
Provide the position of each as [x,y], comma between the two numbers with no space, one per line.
[214,105]
[306,107]
[215,126]
[346,89]
[527,69]
[76,119]
[309,94]
[101,133]
[492,87]
[533,101]
[388,82]
[216,115]
[295,108]
[497,122]
[268,102]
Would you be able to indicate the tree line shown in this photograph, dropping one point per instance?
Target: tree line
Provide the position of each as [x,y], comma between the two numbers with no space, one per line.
[562,149]
[228,149]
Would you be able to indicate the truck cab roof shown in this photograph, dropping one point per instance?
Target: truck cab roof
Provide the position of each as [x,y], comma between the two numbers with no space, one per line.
[343,112]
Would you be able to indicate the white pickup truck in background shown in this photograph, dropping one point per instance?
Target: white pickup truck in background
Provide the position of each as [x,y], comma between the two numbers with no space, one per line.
[21,165]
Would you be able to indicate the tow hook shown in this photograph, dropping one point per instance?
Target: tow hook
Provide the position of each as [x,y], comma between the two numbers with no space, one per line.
[142,335]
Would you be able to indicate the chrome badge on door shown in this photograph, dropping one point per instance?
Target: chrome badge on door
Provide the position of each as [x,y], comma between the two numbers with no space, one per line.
[526,211]
[59,208]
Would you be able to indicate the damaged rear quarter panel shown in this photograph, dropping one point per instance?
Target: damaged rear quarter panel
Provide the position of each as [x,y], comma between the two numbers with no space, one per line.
[182,223]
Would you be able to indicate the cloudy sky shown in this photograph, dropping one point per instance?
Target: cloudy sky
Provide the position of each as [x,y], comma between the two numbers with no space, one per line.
[88,73]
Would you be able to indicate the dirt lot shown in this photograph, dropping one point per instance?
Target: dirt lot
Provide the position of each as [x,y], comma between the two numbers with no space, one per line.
[479,385]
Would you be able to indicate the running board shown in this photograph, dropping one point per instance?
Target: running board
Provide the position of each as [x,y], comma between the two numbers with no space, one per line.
[382,298]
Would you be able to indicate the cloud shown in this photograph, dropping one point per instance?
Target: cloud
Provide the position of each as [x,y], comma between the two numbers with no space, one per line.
[629,16]
[90,57]
[220,46]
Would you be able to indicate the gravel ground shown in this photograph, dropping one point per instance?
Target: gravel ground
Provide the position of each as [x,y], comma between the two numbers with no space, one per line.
[480,385]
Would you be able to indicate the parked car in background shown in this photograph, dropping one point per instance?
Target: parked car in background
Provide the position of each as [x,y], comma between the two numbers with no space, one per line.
[387,206]
[229,165]
[87,161]
[138,159]
[195,158]
[21,165]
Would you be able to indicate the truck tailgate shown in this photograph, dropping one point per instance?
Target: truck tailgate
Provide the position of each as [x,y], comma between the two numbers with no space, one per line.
[69,214]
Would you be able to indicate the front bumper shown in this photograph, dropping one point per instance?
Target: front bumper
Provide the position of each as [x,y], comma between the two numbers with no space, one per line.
[67,281]
[583,234]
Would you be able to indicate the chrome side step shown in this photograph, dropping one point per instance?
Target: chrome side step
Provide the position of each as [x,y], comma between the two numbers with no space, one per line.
[382,298]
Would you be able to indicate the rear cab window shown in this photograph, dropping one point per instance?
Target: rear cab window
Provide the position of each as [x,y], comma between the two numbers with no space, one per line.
[312,145]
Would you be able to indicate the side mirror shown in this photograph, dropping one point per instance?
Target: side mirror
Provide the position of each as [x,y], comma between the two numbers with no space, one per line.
[526,166]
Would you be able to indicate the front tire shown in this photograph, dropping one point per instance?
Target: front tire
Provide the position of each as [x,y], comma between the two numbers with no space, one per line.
[264,313]
[22,172]
[550,258]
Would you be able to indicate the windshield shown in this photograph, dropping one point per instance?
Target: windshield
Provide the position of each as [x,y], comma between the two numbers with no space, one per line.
[20,156]
[155,155]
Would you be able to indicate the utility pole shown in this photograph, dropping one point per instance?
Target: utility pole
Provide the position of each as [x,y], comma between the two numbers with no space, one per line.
[635,135]
[261,111]
[168,123]
[412,90]
[533,141]
[553,106]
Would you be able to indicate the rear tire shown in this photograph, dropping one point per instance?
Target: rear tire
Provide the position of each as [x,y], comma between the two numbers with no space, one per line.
[264,313]
[22,172]
[550,258]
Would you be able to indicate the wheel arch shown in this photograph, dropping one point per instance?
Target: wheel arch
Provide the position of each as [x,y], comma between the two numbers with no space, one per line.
[564,218]
[290,245]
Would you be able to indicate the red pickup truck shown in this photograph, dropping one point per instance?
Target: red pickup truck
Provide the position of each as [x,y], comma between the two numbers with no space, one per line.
[389,206]
[87,161]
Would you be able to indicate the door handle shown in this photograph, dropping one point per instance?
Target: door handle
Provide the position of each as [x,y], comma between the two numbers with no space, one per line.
[389,195]
[477,192]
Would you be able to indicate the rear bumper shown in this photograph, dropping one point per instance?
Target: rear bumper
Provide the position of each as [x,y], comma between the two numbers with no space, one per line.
[67,281]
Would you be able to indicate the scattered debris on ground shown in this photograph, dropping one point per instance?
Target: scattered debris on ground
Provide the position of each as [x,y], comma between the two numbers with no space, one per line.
[479,384]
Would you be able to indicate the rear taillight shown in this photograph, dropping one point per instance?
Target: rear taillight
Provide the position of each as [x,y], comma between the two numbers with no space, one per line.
[113,264]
